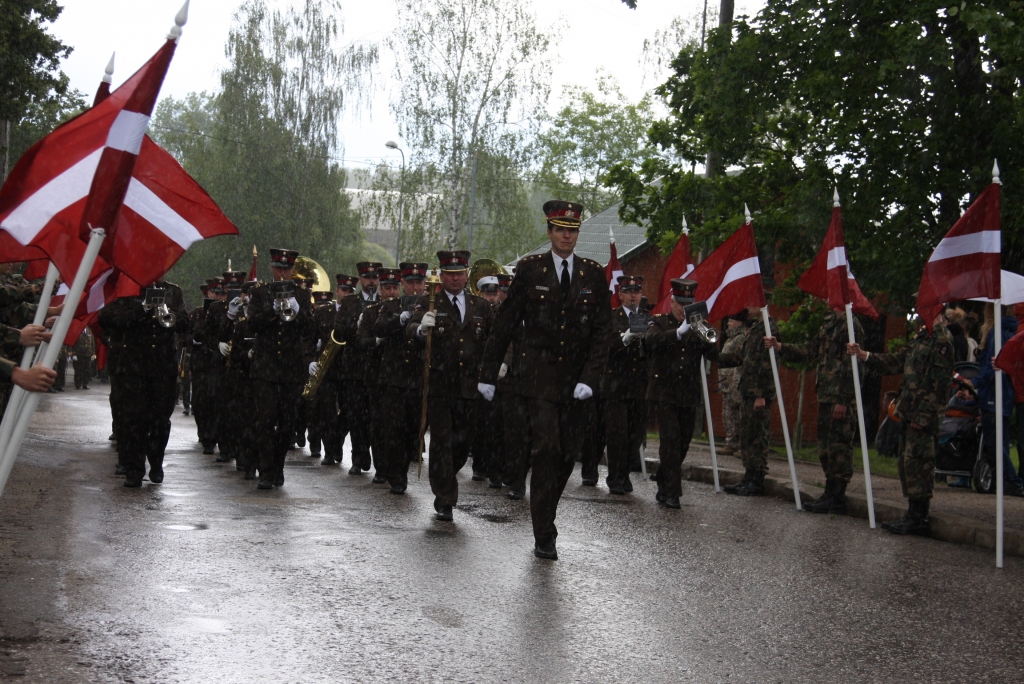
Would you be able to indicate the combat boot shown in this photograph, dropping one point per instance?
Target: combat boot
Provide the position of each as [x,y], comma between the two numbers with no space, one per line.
[755,487]
[824,503]
[734,488]
[839,498]
[914,522]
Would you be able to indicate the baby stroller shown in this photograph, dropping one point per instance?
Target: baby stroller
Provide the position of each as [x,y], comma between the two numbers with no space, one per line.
[959,448]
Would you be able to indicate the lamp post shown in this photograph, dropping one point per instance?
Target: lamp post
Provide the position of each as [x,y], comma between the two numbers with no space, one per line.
[392,145]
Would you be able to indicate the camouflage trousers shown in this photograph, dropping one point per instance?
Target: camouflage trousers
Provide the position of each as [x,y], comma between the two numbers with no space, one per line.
[916,461]
[754,432]
[732,416]
[835,442]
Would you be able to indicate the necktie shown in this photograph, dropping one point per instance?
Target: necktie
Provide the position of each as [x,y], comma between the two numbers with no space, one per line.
[458,311]
[565,278]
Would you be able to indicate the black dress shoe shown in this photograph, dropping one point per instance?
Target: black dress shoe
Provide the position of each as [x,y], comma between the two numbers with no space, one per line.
[156,475]
[355,470]
[223,458]
[314,454]
[590,482]
[671,502]
[494,484]
[111,438]
[660,498]
[397,489]
[617,490]
[444,513]
[250,474]
[185,412]
[379,479]
[207,450]
[328,461]
[546,551]
[238,466]
[516,494]
[627,486]
[477,477]
[279,480]
[119,470]
[301,441]
[133,482]
[265,484]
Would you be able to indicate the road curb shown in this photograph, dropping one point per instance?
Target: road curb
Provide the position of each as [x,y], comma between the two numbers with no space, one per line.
[945,527]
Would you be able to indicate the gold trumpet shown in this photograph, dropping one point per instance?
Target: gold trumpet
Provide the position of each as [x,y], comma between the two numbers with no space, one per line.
[323,365]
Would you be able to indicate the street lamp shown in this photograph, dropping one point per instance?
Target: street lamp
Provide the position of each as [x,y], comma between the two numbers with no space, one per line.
[392,145]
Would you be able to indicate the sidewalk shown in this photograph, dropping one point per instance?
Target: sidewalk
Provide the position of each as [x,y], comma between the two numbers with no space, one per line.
[957,515]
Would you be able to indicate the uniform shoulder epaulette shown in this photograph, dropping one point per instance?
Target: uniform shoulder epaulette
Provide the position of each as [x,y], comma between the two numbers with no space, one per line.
[531,257]
[590,262]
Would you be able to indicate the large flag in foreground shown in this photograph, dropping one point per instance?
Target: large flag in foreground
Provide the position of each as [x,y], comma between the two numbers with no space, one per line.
[829,277]
[680,265]
[730,278]
[965,264]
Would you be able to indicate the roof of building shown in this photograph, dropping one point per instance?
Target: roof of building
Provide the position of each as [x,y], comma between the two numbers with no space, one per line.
[593,241]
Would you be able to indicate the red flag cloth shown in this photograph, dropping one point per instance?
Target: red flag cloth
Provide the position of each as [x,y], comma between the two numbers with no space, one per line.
[1011,360]
[100,291]
[680,265]
[729,280]
[829,277]
[966,263]
[612,272]
[252,269]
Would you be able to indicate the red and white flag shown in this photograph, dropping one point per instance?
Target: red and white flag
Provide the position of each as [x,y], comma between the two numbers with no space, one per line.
[613,270]
[966,262]
[101,290]
[680,265]
[255,263]
[729,280]
[829,277]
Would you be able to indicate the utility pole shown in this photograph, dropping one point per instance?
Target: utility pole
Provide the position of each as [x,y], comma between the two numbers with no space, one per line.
[472,203]
[714,158]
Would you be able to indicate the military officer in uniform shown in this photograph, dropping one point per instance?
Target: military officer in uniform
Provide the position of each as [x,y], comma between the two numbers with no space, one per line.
[146,368]
[732,402]
[624,388]
[356,407]
[674,386]
[562,303]
[458,325]
[318,416]
[488,460]
[504,283]
[238,439]
[331,398]
[401,378]
[204,344]
[837,419]
[927,367]
[389,287]
[281,318]
[83,351]
[756,384]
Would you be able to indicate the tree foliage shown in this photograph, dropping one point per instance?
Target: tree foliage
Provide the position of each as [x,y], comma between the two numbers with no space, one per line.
[29,56]
[903,106]
[43,115]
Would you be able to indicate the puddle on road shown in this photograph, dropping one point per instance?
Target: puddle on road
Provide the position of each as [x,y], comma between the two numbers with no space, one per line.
[208,625]
[176,590]
[170,492]
[183,527]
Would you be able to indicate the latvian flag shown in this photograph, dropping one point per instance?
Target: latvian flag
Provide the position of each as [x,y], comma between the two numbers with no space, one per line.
[730,278]
[680,265]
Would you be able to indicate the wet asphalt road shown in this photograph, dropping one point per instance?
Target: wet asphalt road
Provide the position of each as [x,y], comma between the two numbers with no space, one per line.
[332,578]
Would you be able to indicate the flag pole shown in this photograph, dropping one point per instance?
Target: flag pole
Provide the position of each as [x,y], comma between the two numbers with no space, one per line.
[60,331]
[782,411]
[997,335]
[860,420]
[707,413]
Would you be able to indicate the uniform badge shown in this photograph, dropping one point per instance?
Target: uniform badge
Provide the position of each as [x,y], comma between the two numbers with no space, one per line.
[583,318]
[584,290]
[544,288]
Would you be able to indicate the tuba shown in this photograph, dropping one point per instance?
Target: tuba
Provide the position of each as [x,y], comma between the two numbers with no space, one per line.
[307,268]
[482,268]
[697,314]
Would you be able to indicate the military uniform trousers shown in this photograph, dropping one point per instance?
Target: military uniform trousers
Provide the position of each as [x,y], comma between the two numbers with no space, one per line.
[593,439]
[754,434]
[234,423]
[355,421]
[916,461]
[83,371]
[452,425]
[322,411]
[625,425]
[142,421]
[732,411]
[835,442]
[489,442]
[276,417]
[116,406]
[186,391]
[62,371]
[516,427]
[204,406]
[376,394]
[400,428]
[557,432]
[675,428]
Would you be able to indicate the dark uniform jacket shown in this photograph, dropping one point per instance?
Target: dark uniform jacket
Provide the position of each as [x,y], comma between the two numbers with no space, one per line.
[457,349]
[281,350]
[625,376]
[353,357]
[756,377]
[401,356]
[564,342]
[139,344]
[674,376]
[199,355]
[834,376]
[927,366]
[208,334]
[367,343]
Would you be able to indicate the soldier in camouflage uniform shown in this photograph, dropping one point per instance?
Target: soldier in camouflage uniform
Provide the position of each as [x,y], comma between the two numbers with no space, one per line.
[837,420]
[12,341]
[927,367]
[757,388]
[728,379]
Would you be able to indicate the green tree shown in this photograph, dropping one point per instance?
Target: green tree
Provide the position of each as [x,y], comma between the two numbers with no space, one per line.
[902,106]
[43,115]
[589,135]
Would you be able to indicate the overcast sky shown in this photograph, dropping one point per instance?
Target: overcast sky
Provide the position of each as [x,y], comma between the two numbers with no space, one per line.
[596,34]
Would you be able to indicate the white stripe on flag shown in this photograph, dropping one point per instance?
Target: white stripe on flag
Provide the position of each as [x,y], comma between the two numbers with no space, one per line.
[146,204]
[96,299]
[127,131]
[836,257]
[984,241]
[739,270]
[32,215]
[688,271]
[614,282]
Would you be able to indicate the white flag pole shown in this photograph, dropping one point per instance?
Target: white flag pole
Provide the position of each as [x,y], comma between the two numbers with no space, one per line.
[60,331]
[860,421]
[782,410]
[997,336]
[707,413]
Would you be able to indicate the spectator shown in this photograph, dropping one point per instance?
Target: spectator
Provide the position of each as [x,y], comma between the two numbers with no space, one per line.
[961,346]
[970,326]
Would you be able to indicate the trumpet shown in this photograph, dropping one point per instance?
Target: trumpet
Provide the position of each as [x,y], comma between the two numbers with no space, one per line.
[283,291]
[156,301]
[696,314]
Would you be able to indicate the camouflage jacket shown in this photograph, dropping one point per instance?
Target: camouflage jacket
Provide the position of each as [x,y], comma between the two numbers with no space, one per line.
[733,341]
[17,301]
[927,367]
[756,378]
[9,338]
[834,384]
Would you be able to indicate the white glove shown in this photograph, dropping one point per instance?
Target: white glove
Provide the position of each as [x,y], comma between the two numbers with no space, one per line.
[313,365]
[224,348]
[293,304]
[628,336]
[582,392]
[74,358]
[359,320]
[486,390]
[234,307]
[429,321]
[319,343]
[380,339]
[404,318]
[250,352]
[503,371]
[682,330]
